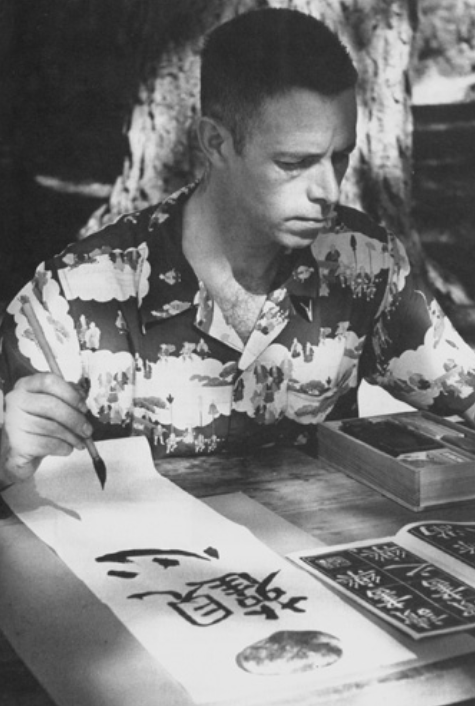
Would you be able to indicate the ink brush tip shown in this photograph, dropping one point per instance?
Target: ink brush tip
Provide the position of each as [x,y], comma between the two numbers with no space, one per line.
[100,469]
[99,465]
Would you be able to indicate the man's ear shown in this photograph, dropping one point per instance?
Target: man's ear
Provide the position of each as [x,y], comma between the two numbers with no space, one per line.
[212,136]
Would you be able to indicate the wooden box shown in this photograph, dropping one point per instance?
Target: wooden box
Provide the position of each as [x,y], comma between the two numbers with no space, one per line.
[419,479]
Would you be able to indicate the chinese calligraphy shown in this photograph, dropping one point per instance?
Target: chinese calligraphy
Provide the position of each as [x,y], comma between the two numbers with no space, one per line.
[212,600]
[401,586]
[455,539]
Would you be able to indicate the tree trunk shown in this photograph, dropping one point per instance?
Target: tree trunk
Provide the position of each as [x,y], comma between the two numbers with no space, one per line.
[164,153]
[163,150]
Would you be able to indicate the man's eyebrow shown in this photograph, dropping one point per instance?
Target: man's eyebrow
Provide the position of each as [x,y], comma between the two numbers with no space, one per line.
[308,154]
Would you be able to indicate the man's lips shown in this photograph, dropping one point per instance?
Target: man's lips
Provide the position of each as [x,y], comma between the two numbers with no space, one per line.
[309,224]
[312,221]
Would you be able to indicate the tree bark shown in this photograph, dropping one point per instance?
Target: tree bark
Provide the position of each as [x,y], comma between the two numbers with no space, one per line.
[163,150]
[164,153]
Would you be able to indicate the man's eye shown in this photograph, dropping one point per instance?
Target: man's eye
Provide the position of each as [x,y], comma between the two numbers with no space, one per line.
[291,166]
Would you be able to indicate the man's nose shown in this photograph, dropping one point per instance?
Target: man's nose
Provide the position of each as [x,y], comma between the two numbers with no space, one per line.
[323,184]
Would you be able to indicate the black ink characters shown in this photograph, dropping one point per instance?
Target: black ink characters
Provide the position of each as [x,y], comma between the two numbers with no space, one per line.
[210,601]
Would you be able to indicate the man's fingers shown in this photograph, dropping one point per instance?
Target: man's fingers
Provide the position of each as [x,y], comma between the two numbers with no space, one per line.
[45,414]
[50,384]
[45,397]
[43,445]
[41,431]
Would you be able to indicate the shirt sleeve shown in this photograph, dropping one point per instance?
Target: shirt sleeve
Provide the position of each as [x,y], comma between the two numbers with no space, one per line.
[20,353]
[414,352]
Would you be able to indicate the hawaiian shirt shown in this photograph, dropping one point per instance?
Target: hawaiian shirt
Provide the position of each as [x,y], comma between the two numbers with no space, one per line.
[127,318]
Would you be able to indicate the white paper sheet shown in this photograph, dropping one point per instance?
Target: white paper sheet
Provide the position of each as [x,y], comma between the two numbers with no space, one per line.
[221,590]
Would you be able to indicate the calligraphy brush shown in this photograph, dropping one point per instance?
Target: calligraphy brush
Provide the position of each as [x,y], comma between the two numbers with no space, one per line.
[99,465]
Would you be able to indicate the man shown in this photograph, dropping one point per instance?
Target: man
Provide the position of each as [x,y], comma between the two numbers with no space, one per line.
[246,308]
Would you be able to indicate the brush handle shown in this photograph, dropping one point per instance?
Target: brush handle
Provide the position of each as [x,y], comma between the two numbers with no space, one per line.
[41,338]
[50,359]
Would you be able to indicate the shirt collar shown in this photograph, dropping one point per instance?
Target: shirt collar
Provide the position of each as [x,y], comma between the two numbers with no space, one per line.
[173,285]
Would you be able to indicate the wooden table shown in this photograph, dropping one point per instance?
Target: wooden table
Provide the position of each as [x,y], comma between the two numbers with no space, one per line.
[331,507]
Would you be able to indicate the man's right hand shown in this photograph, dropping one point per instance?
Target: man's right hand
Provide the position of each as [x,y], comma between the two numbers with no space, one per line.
[44,415]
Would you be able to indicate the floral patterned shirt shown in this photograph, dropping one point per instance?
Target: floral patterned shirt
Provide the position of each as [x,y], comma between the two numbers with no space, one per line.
[127,317]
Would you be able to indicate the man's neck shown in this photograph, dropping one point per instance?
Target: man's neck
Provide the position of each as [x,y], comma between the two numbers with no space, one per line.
[217,244]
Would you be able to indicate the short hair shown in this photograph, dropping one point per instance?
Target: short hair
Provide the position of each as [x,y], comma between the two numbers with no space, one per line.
[264,53]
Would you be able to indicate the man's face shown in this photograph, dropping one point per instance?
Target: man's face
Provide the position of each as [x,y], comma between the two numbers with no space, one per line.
[286,182]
